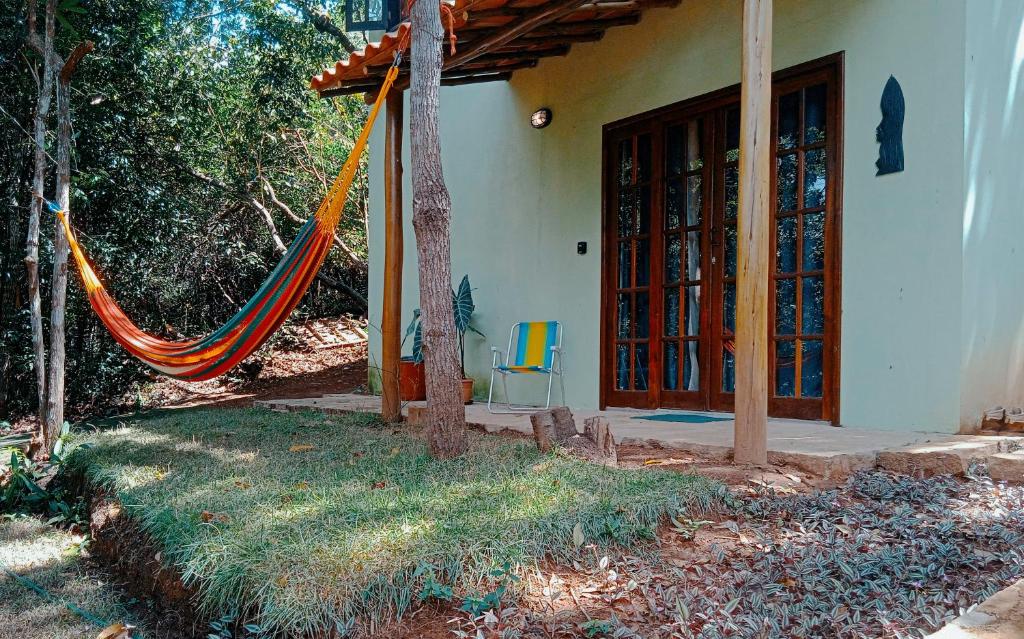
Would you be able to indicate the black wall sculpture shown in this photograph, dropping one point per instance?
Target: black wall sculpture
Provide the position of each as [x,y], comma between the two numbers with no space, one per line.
[890,129]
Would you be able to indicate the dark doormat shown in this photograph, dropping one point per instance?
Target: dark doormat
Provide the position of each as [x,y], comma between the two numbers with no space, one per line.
[684,418]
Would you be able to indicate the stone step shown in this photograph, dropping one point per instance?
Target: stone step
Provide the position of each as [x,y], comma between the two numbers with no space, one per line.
[1007,466]
[949,457]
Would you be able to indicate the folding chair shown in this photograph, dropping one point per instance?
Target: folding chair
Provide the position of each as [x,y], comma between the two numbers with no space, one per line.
[534,348]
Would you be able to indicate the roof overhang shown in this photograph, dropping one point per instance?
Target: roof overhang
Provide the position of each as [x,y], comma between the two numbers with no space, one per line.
[496,38]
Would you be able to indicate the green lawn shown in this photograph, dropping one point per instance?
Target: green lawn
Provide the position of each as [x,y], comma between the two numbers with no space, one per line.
[51,559]
[305,521]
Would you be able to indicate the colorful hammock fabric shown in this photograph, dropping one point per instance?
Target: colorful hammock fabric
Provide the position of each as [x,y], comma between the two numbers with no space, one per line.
[280,293]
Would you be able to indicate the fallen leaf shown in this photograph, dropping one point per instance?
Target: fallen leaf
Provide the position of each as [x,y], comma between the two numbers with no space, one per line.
[208,517]
[282,581]
[577,535]
[116,631]
[378,485]
[302,485]
[301,448]
[244,485]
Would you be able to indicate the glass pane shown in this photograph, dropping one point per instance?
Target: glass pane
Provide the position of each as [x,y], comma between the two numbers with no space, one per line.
[785,369]
[732,192]
[730,251]
[732,134]
[643,262]
[625,315]
[691,314]
[625,264]
[691,366]
[786,186]
[810,368]
[812,317]
[694,200]
[785,307]
[785,245]
[643,158]
[672,311]
[814,178]
[626,162]
[640,367]
[729,304]
[815,111]
[643,222]
[671,366]
[642,327]
[728,368]
[673,258]
[814,242]
[693,256]
[695,145]
[789,120]
[622,366]
[627,206]
[674,204]
[675,149]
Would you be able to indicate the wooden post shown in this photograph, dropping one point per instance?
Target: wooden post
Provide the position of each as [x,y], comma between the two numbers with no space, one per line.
[752,230]
[391,316]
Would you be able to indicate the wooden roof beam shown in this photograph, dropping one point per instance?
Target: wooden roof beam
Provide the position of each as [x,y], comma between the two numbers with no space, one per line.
[544,14]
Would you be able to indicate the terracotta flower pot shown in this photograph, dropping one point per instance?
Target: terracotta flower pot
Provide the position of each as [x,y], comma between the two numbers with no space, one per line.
[412,381]
[467,391]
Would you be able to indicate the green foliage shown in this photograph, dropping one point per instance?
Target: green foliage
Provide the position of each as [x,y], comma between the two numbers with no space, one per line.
[259,509]
[23,491]
[462,308]
[477,604]
[174,92]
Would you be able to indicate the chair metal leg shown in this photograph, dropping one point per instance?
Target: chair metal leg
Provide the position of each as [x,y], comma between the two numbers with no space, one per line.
[561,383]
[490,393]
[551,378]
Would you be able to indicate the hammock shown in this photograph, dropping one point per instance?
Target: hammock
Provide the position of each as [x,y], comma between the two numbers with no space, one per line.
[280,293]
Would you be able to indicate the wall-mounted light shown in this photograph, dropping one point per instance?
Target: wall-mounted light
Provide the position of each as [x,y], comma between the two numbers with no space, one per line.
[540,118]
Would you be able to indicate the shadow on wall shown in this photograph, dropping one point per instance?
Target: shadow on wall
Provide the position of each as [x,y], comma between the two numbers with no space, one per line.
[992,366]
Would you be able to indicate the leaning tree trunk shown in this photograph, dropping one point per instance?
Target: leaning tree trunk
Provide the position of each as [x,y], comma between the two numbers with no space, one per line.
[431,219]
[36,205]
[59,283]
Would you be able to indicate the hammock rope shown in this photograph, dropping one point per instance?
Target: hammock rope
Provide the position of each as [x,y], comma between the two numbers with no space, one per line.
[277,297]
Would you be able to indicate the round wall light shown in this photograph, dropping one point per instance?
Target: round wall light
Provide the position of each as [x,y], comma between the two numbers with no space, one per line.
[540,118]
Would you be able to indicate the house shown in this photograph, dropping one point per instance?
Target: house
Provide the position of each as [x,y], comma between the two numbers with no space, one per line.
[894,299]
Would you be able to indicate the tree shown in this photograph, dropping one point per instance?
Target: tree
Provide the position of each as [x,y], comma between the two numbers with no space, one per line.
[45,82]
[431,221]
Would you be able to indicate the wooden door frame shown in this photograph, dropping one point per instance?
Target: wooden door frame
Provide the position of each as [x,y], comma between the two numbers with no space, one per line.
[832,66]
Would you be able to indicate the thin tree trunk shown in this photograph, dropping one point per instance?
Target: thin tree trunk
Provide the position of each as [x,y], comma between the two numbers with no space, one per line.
[59,282]
[36,205]
[446,414]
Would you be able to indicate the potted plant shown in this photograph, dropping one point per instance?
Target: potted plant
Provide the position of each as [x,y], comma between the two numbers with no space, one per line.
[462,308]
[412,379]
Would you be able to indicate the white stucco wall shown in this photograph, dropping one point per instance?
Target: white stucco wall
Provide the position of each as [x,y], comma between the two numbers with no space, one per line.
[993,218]
[522,198]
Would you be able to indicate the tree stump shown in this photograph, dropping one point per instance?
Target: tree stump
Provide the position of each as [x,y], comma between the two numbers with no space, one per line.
[556,426]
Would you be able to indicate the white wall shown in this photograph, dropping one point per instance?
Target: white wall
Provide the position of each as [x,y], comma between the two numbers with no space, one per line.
[524,198]
[993,217]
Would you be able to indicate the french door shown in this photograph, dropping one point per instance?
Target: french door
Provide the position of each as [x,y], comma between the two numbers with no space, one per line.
[669,294]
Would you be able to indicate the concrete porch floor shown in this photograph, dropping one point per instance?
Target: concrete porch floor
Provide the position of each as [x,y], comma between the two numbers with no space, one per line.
[815,447]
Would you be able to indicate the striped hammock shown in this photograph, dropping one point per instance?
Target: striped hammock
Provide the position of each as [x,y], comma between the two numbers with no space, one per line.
[280,293]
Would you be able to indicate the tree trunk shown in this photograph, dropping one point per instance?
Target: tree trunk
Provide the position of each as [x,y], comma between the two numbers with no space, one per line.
[446,414]
[59,282]
[36,205]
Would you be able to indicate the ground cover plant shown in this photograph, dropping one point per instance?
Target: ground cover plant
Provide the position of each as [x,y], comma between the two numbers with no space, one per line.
[881,556]
[52,559]
[298,522]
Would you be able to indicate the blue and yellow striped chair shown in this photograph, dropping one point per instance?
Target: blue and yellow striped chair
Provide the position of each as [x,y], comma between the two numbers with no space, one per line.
[534,348]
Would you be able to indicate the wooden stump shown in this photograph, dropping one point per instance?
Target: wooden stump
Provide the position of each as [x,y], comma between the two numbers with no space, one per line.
[597,430]
[556,426]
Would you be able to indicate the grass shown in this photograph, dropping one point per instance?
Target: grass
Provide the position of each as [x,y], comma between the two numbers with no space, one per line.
[303,522]
[51,558]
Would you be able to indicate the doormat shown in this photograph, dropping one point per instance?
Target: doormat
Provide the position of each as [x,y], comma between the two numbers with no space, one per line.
[684,418]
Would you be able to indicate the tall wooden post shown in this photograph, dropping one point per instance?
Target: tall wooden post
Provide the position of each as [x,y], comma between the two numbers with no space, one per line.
[752,229]
[391,317]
